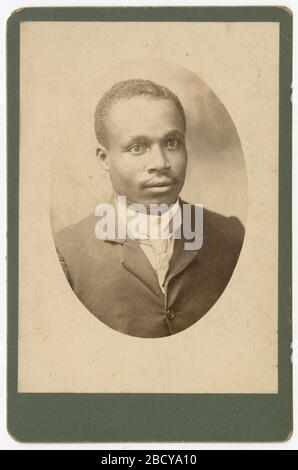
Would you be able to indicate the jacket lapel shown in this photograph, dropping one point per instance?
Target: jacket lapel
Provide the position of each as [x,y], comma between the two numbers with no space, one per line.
[181,259]
[134,259]
[136,262]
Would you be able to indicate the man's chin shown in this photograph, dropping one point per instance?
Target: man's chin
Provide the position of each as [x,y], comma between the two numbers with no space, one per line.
[162,197]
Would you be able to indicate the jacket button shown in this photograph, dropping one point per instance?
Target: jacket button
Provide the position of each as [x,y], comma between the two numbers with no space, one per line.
[170,314]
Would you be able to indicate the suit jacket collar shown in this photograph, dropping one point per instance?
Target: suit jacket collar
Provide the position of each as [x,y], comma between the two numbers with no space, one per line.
[136,262]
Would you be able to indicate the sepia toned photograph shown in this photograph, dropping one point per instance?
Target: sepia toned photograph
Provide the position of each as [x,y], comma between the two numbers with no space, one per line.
[148,207]
[146,262]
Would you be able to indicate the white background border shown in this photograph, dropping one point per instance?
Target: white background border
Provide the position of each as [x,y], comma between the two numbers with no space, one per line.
[6,442]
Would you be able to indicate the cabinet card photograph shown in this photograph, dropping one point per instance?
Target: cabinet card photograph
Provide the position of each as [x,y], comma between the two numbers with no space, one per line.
[149,170]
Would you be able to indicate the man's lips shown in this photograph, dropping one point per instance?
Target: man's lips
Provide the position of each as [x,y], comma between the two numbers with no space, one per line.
[160,183]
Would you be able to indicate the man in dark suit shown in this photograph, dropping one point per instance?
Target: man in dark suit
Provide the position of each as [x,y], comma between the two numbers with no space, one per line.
[135,283]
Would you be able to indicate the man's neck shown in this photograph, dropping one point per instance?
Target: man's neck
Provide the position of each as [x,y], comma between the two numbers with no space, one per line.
[151,222]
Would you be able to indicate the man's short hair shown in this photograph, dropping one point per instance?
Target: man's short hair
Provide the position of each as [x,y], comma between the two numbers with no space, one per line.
[124,91]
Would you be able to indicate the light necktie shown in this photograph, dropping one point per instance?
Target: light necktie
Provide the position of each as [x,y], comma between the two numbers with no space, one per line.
[160,248]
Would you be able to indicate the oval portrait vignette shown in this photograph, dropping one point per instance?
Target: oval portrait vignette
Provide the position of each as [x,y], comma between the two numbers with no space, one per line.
[148,198]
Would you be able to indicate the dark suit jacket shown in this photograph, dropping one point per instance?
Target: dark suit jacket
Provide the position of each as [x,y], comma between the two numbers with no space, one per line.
[116,282]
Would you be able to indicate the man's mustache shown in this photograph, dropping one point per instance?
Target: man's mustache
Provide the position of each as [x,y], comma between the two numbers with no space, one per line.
[162,180]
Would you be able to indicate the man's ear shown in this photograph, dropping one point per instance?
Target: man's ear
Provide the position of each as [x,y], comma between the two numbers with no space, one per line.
[102,155]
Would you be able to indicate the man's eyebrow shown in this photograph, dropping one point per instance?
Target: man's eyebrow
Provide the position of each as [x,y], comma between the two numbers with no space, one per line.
[136,139]
[174,133]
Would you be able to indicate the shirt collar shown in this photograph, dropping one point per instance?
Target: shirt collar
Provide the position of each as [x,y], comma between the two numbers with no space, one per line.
[162,225]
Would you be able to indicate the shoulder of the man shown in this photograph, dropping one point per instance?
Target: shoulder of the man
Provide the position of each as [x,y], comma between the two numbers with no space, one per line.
[71,239]
[220,230]
[223,238]
[224,228]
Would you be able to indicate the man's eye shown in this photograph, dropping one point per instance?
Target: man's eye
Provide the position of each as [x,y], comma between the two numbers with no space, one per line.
[173,144]
[137,149]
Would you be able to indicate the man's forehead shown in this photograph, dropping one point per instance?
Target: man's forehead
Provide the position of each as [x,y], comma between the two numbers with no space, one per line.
[141,112]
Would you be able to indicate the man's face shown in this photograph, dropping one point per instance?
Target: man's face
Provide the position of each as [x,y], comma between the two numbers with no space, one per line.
[147,156]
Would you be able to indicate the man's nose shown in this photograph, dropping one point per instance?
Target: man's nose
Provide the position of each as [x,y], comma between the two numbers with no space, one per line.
[158,160]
